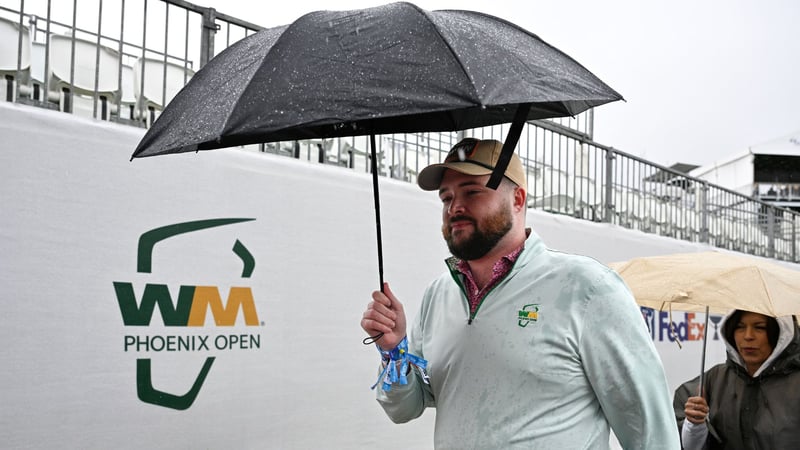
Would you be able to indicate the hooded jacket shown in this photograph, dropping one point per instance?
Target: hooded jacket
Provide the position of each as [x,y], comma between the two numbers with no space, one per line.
[759,412]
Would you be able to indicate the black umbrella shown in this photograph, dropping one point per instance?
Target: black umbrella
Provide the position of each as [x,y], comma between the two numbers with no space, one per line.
[390,69]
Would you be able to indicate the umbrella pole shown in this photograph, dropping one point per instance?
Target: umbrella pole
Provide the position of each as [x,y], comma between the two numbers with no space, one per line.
[374,167]
[703,360]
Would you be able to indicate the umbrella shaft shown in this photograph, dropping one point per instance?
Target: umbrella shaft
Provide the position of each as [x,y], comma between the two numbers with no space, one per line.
[703,358]
[374,166]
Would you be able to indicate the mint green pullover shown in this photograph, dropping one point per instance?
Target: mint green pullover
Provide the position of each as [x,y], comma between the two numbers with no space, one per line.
[556,353]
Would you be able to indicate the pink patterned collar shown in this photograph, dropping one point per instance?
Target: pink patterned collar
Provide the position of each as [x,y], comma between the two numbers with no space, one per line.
[500,269]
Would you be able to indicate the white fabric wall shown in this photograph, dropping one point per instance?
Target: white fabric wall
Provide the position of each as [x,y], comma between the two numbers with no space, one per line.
[73,208]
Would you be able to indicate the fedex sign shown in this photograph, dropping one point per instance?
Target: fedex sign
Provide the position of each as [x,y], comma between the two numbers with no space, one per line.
[683,326]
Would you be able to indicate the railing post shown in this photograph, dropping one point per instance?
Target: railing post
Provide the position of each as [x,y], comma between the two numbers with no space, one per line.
[703,201]
[9,88]
[209,29]
[771,232]
[97,61]
[119,63]
[48,43]
[140,102]
[321,153]
[794,237]
[609,204]
[590,124]
[19,52]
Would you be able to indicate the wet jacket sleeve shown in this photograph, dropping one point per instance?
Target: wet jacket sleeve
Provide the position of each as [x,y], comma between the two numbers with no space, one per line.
[693,436]
[624,368]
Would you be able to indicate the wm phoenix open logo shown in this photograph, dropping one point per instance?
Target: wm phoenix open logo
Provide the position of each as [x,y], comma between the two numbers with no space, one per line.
[528,313]
[189,310]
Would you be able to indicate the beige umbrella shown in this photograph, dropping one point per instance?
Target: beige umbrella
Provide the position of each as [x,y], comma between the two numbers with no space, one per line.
[711,282]
[717,280]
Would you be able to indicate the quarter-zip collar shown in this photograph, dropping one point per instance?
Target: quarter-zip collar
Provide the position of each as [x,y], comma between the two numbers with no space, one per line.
[462,274]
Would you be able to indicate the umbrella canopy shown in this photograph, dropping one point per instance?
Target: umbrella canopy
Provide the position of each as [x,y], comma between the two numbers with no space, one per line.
[390,69]
[717,280]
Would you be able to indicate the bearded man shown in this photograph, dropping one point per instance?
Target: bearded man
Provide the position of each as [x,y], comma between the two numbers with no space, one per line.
[525,347]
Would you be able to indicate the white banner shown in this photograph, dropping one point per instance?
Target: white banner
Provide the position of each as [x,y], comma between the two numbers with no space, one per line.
[213,300]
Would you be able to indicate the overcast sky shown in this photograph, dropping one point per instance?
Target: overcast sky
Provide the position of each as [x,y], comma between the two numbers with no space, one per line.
[703,80]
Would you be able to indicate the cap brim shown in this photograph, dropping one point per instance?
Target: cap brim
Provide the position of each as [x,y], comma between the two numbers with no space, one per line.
[430,177]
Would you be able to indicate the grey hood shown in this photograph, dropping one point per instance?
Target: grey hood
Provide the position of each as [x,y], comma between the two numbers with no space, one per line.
[787,348]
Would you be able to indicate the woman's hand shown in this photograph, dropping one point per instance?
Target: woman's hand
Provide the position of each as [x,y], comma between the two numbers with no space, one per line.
[696,410]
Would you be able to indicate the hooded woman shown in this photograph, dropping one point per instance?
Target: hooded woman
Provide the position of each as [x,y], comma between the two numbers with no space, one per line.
[751,401]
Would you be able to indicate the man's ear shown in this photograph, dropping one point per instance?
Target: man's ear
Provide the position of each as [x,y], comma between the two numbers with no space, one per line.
[520,199]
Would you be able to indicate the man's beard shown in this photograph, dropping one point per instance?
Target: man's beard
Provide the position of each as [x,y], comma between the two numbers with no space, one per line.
[483,238]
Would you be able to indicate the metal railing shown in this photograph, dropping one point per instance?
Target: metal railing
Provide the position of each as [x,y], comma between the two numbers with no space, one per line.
[568,173]
[572,175]
[114,70]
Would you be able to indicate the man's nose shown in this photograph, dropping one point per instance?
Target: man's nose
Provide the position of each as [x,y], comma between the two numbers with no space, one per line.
[456,206]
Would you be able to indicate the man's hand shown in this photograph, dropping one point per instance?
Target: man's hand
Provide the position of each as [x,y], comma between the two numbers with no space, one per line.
[385,315]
